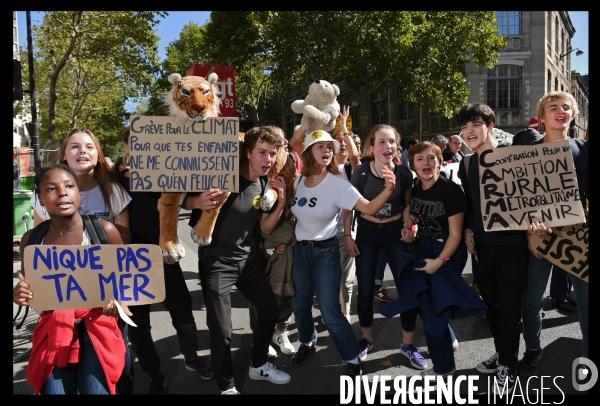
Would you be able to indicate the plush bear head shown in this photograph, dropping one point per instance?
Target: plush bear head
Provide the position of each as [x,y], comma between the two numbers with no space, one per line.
[320,109]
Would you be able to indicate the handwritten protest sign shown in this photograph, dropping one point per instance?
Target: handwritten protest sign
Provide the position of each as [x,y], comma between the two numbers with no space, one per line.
[567,247]
[522,184]
[168,156]
[82,276]
[451,171]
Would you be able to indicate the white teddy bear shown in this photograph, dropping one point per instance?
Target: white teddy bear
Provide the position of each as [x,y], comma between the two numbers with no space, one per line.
[320,109]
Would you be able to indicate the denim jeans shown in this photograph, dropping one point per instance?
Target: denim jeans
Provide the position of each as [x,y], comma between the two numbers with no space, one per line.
[560,284]
[86,376]
[537,280]
[371,238]
[501,276]
[178,303]
[317,271]
[348,275]
[440,348]
[380,269]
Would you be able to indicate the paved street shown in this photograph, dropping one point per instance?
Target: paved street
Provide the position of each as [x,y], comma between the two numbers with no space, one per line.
[561,339]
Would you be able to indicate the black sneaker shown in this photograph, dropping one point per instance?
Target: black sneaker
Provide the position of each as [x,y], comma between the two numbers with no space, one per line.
[158,386]
[504,383]
[528,365]
[354,370]
[203,366]
[488,366]
[300,356]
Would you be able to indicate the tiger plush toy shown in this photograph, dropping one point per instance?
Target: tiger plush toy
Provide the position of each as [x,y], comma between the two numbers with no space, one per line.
[191,99]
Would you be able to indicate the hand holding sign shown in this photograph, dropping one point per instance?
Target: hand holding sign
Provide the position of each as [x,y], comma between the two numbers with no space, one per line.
[566,247]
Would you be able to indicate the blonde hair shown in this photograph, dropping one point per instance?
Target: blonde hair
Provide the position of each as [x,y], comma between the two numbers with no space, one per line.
[551,96]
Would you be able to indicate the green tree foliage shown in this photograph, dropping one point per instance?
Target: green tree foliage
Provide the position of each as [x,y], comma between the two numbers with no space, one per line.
[237,38]
[88,63]
[423,52]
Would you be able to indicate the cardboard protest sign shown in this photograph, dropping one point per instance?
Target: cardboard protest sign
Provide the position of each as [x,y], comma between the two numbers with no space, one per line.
[168,156]
[523,184]
[567,247]
[83,276]
[451,171]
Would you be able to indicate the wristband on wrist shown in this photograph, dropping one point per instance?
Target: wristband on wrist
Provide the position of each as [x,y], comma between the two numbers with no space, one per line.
[347,235]
[444,260]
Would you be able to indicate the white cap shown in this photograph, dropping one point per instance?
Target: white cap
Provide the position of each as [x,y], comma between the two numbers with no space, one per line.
[320,136]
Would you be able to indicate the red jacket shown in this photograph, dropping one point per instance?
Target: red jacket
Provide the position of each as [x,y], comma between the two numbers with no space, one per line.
[56,343]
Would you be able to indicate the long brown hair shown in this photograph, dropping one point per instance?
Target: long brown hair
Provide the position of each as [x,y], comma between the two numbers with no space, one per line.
[311,167]
[102,171]
[370,141]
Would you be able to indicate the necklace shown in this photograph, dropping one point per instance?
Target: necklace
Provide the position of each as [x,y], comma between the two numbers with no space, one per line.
[64,231]
[378,175]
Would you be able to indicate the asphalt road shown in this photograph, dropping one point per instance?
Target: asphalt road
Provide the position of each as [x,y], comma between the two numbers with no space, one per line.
[561,340]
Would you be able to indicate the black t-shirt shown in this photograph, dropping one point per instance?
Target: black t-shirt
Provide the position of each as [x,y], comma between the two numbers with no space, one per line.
[434,205]
[144,219]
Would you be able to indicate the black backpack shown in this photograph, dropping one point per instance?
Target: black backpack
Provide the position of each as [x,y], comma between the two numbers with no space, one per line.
[90,222]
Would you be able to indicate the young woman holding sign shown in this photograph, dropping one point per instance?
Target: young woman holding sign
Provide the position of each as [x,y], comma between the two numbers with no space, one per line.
[74,351]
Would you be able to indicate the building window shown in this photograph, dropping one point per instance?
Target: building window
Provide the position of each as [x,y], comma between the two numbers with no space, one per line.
[379,111]
[549,28]
[509,22]
[556,84]
[549,84]
[504,87]
[404,108]
[404,111]
[354,114]
[556,48]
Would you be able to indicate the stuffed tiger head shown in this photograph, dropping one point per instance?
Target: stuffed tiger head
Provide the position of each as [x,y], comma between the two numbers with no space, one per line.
[192,98]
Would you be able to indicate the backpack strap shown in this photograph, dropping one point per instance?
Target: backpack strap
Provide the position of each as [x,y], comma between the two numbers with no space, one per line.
[348,169]
[94,229]
[38,233]
[467,159]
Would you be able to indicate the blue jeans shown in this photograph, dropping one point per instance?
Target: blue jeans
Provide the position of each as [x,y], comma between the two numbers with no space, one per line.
[560,284]
[440,348]
[371,238]
[380,269]
[86,376]
[537,280]
[317,271]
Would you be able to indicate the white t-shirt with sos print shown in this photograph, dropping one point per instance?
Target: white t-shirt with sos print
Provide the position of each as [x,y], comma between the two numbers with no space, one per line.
[318,209]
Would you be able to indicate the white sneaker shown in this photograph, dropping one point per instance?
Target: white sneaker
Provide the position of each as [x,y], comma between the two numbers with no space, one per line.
[268,372]
[272,353]
[232,391]
[283,342]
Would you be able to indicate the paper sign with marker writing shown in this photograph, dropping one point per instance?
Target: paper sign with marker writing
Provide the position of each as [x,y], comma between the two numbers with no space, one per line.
[83,276]
[169,156]
[523,184]
[567,247]
[451,171]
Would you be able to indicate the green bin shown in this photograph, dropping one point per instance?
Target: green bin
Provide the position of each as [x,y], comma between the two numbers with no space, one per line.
[22,212]
[27,182]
